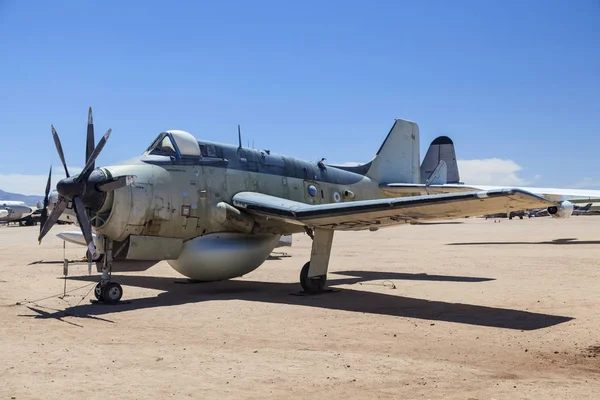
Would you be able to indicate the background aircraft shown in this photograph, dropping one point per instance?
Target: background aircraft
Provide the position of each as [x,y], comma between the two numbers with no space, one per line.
[216,211]
[577,210]
[17,211]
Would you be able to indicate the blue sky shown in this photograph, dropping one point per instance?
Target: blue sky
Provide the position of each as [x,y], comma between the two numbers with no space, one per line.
[518,82]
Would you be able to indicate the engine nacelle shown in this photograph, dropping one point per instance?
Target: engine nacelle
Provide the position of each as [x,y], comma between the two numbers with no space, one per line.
[224,255]
[564,209]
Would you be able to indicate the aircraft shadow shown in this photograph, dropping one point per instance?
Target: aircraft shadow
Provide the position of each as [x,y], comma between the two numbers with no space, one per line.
[440,223]
[342,299]
[360,276]
[567,241]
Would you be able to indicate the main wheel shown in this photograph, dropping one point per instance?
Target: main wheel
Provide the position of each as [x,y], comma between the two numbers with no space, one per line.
[112,292]
[315,284]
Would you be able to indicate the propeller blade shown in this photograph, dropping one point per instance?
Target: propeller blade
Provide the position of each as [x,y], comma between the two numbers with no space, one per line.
[90,162]
[86,228]
[47,192]
[116,183]
[59,149]
[60,206]
[89,148]
[44,215]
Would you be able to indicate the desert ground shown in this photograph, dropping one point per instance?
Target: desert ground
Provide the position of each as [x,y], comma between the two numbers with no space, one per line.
[467,309]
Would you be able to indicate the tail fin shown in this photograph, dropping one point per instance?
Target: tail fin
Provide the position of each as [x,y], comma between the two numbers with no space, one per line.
[441,149]
[398,157]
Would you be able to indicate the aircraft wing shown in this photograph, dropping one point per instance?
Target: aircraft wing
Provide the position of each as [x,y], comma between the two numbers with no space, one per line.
[554,194]
[364,214]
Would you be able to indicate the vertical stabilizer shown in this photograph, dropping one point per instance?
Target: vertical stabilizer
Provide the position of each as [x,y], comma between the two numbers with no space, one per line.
[441,149]
[439,176]
[398,157]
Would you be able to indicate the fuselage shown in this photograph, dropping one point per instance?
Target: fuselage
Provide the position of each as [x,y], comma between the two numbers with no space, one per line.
[178,196]
[177,204]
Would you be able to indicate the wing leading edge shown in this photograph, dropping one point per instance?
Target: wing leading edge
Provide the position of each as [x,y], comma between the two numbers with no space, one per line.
[554,194]
[364,214]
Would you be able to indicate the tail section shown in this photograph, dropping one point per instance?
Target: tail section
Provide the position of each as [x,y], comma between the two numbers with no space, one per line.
[441,149]
[586,208]
[398,157]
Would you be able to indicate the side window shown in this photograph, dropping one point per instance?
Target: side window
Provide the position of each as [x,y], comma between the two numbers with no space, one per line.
[210,150]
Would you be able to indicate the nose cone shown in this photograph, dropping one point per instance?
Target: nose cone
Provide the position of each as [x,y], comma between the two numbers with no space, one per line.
[84,188]
[69,188]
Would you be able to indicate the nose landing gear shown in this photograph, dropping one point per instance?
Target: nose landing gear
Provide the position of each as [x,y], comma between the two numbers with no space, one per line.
[110,293]
[107,291]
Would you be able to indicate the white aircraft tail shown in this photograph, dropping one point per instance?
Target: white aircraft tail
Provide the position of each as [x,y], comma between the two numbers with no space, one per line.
[440,150]
[398,157]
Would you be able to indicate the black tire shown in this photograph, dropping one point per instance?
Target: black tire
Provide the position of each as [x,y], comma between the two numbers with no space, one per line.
[112,292]
[98,292]
[311,285]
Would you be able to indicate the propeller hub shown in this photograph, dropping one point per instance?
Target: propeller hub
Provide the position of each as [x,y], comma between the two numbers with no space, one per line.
[84,188]
[69,187]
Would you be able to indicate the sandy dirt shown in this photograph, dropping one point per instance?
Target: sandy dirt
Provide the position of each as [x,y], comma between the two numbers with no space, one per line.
[466,310]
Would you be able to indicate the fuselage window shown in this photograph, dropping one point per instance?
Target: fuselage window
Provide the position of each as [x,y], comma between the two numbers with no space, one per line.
[210,150]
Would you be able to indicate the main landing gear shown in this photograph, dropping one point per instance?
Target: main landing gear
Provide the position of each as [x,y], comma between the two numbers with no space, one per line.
[107,291]
[313,275]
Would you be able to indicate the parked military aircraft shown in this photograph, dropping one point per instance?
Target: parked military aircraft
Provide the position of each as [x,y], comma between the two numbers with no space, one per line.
[577,210]
[16,211]
[216,211]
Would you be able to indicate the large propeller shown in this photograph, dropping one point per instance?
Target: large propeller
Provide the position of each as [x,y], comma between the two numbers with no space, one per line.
[44,215]
[79,188]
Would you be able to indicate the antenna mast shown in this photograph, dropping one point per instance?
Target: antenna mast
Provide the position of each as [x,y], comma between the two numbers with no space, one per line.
[239,137]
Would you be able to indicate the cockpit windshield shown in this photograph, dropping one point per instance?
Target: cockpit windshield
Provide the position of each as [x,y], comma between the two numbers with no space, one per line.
[162,146]
[174,143]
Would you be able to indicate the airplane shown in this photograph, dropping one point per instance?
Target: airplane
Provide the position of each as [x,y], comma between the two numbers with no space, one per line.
[577,210]
[216,211]
[17,211]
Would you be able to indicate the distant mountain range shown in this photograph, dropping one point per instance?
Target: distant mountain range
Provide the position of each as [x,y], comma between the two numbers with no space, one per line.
[29,200]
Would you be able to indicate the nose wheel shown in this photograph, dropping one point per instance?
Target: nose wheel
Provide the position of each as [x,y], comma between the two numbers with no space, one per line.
[110,292]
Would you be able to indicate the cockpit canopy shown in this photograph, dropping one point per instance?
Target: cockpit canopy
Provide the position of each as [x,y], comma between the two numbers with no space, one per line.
[174,143]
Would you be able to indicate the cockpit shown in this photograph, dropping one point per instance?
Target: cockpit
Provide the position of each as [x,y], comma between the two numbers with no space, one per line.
[179,144]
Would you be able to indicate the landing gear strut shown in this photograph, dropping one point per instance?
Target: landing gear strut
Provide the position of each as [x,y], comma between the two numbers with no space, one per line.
[107,291]
[313,275]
